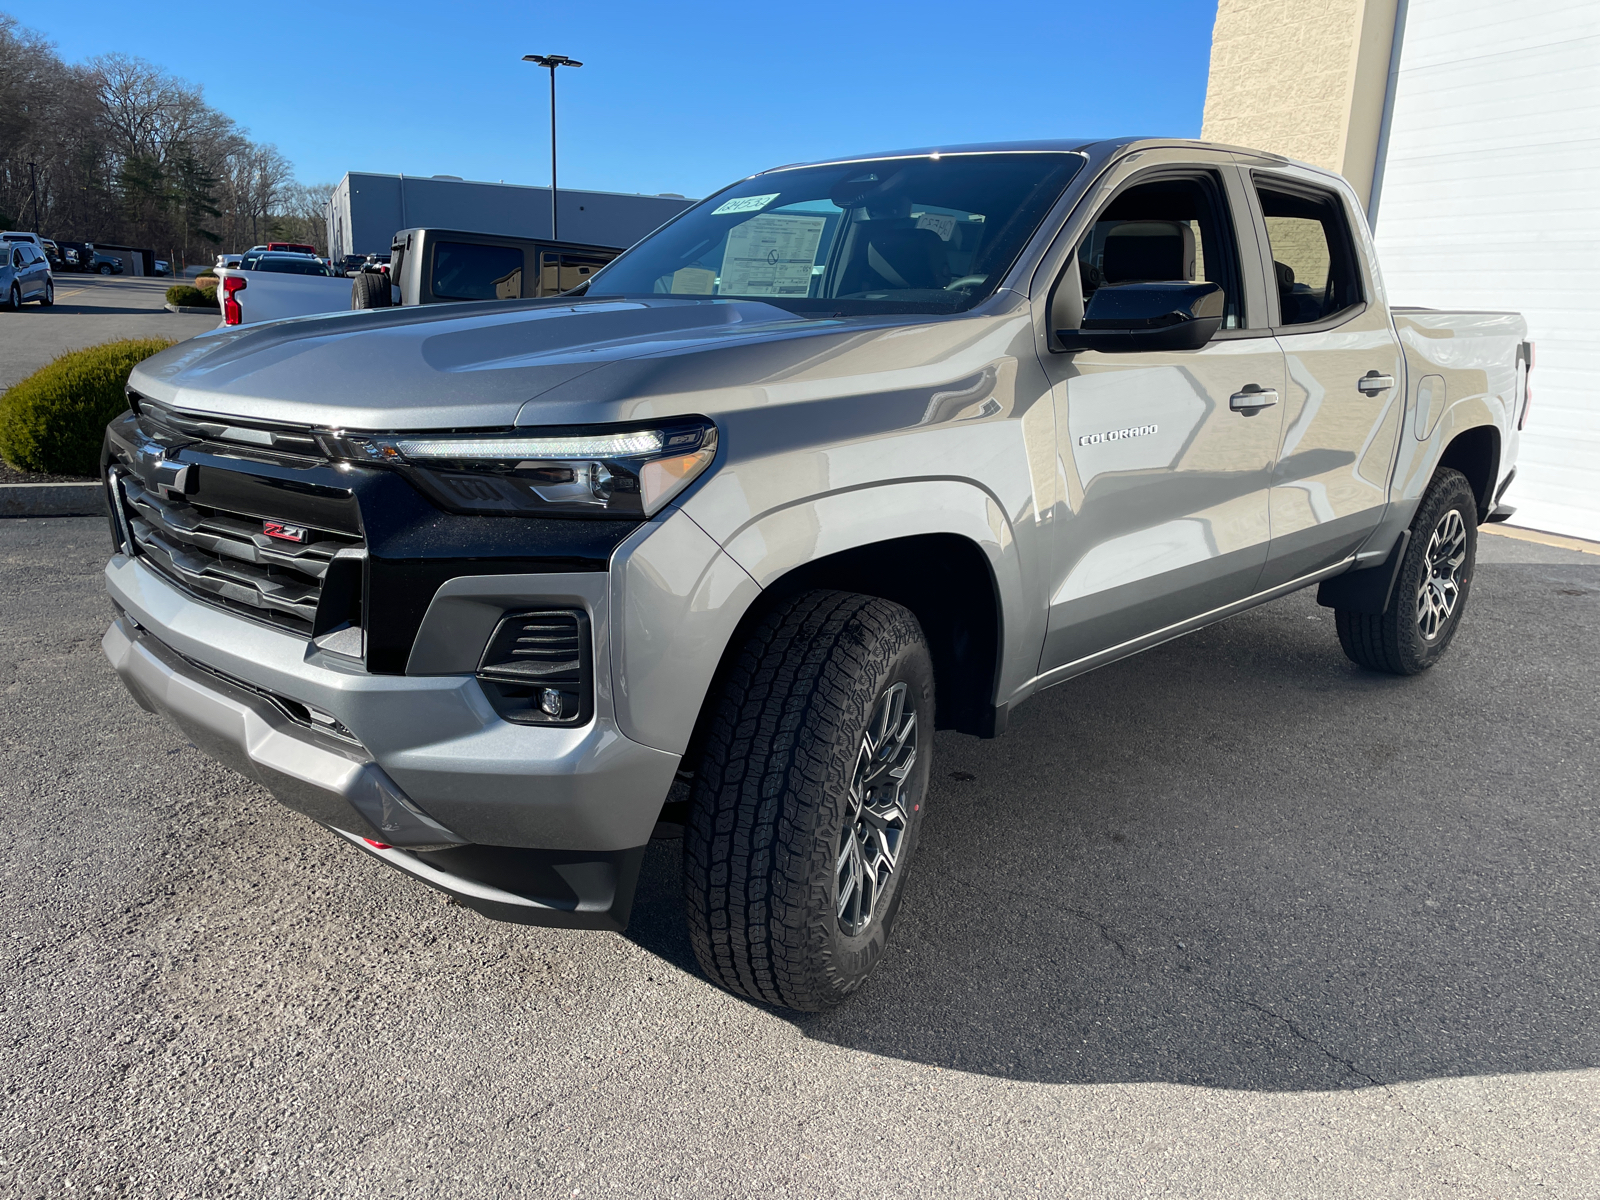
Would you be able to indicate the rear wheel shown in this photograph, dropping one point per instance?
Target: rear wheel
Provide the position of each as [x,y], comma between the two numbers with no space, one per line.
[1431,591]
[808,798]
[105,268]
[49,296]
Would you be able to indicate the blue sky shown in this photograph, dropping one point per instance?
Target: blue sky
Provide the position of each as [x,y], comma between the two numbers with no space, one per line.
[673,97]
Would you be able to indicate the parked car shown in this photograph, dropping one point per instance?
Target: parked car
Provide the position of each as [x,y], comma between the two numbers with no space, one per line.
[21,235]
[846,453]
[105,264]
[293,247]
[228,260]
[163,267]
[74,255]
[432,266]
[53,253]
[25,275]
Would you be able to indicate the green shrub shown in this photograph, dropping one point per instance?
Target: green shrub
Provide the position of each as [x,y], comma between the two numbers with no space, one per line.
[208,273]
[185,296]
[55,419]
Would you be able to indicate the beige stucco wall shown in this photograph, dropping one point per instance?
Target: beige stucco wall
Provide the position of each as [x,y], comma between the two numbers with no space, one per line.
[1302,78]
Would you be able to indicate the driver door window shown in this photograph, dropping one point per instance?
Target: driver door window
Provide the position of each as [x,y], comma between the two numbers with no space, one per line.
[1164,231]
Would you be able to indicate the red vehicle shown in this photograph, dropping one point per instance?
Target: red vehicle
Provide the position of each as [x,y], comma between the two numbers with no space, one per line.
[292,247]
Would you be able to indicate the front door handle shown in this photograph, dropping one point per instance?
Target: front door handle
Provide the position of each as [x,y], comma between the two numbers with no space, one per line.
[1252,399]
[1372,383]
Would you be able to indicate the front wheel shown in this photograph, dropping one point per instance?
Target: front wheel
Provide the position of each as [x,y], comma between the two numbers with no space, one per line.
[14,299]
[808,798]
[1431,591]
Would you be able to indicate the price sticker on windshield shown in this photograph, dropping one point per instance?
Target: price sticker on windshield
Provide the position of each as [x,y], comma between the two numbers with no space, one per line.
[741,204]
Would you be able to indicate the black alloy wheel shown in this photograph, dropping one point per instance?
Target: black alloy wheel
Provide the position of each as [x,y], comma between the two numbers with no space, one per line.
[810,789]
[1431,591]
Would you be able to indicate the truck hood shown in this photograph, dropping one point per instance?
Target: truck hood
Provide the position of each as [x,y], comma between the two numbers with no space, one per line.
[450,366]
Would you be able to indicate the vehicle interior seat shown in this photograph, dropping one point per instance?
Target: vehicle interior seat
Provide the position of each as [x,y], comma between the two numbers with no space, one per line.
[897,255]
[1148,251]
[1299,307]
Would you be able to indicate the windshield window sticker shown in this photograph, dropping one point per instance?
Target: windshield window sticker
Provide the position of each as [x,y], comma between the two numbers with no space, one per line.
[940,223]
[771,256]
[741,204]
[693,281]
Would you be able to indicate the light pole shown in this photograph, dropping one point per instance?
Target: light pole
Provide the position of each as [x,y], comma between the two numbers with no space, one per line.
[552,61]
[33,174]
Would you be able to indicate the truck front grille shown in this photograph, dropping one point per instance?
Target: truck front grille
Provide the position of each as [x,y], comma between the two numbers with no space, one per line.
[227,558]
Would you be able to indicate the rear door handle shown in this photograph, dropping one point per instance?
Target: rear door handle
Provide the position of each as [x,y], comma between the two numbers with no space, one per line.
[1252,400]
[1372,383]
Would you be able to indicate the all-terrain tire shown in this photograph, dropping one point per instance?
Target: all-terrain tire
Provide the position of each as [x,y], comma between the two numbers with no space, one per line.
[369,289]
[775,811]
[1398,640]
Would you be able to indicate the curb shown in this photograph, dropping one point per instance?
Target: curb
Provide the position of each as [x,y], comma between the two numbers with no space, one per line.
[192,311]
[52,500]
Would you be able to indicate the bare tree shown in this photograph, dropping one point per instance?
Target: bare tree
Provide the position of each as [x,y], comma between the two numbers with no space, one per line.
[123,151]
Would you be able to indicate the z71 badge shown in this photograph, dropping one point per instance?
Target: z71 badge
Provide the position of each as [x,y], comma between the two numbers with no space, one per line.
[285,533]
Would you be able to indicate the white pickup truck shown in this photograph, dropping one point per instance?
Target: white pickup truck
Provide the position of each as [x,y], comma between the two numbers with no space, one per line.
[280,284]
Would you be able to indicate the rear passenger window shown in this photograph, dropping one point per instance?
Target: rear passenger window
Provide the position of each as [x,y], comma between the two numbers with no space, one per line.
[1313,255]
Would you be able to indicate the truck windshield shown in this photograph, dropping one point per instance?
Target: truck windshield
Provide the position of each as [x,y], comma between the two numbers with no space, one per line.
[929,233]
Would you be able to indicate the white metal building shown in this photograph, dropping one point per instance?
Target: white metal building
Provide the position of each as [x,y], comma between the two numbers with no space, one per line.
[1472,129]
[1487,195]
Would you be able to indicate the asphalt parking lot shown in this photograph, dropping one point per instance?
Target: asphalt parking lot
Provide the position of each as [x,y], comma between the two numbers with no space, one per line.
[1227,919]
[90,309]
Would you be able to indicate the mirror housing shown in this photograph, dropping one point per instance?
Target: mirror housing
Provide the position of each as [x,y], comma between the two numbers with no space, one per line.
[1122,317]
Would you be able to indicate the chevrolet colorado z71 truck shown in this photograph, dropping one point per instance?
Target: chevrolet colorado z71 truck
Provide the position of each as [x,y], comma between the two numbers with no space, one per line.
[847,453]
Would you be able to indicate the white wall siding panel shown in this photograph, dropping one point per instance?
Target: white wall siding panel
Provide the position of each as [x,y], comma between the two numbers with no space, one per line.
[1490,198]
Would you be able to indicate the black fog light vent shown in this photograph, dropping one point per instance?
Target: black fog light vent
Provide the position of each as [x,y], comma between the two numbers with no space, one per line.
[536,668]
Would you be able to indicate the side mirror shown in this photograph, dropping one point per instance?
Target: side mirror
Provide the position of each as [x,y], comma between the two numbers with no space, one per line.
[1122,317]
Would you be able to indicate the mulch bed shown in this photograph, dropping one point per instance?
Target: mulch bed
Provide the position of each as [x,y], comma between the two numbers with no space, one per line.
[9,474]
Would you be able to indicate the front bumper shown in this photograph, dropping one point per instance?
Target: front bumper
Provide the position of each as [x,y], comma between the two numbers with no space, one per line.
[334,784]
[435,734]
[542,825]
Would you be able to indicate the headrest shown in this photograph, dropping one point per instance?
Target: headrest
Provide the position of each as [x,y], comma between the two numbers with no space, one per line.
[1285,275]
[1148,251]
[906,258]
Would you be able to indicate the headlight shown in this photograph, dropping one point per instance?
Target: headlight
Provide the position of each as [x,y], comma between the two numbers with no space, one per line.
[598,473]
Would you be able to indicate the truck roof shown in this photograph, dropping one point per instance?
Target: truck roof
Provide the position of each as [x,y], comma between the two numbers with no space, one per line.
[1094,148]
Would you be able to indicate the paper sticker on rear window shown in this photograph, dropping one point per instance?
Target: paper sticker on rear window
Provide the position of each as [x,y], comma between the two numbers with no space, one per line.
[744,204]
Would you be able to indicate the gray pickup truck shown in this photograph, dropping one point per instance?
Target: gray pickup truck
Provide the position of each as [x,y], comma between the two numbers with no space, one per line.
[847,453]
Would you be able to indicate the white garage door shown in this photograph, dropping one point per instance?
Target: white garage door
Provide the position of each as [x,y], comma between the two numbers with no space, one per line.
[1490,198]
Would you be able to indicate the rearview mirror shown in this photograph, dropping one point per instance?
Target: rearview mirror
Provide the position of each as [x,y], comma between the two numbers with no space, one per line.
[1147,316]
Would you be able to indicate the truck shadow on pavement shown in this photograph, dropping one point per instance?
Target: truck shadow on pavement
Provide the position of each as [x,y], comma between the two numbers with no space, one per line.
[1238,861]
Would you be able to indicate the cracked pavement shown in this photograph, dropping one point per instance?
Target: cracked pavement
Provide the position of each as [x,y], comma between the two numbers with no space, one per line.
[1231,918]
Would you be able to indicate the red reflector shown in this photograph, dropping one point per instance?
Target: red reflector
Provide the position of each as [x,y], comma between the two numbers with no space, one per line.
[231,313]
[377,845]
